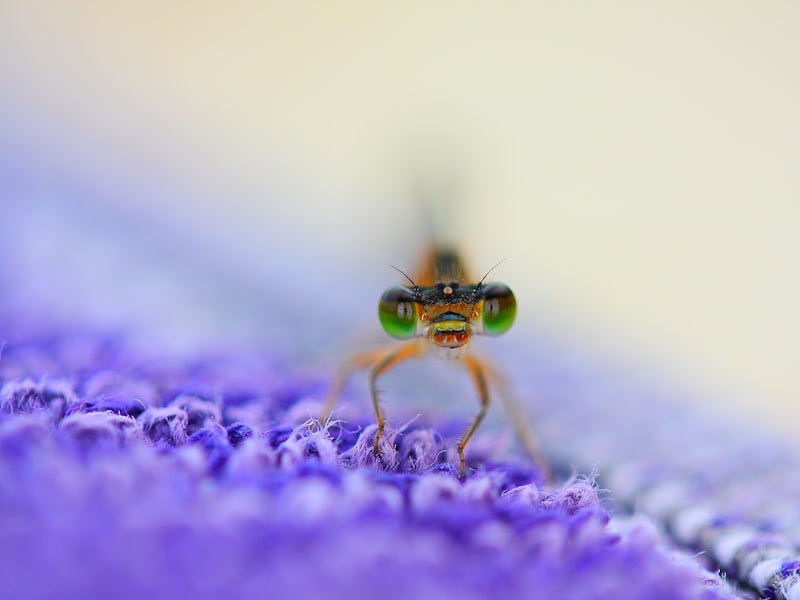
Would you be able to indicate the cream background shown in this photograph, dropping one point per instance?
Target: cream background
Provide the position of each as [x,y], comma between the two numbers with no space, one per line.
[636,162]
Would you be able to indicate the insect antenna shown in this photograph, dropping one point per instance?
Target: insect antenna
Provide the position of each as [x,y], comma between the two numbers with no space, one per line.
[479,285]
[413,283]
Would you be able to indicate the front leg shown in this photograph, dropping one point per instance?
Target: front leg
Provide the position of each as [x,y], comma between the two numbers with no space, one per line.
[403,352]
[477,371]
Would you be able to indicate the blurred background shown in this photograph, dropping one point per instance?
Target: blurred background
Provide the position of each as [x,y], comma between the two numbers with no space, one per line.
[635,163]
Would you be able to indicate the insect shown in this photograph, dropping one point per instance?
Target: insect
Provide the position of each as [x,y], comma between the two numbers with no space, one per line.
[441,310]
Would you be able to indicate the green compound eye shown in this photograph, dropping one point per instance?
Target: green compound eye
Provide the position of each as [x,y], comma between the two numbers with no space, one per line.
[499,308]
[398,312]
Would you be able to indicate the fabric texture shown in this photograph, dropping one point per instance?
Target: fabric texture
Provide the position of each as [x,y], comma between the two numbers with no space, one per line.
[126,477]
[716,486]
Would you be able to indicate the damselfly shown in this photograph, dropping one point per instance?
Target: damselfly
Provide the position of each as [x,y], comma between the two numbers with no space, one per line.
[441,309]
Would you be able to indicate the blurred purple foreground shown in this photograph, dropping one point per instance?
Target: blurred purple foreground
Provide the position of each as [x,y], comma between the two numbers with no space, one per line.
[128,479]
[129,470]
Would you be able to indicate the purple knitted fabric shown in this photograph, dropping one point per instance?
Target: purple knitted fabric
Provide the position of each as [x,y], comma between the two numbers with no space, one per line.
[131,470]
[127,478]
[718,487]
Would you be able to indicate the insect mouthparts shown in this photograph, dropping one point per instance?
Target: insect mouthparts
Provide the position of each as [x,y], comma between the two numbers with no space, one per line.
[449,316]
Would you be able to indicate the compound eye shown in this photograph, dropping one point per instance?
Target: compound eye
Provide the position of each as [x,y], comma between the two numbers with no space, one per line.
[499,308]
[397,311]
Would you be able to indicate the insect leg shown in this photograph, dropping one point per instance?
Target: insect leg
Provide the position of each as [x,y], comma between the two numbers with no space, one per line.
[512,404]
[355,363]
[402,353]
[478,374]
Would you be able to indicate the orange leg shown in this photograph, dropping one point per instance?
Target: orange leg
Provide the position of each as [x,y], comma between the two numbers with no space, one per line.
[477,371]
[381,361]
[358,362]
[404,352]
[519,419]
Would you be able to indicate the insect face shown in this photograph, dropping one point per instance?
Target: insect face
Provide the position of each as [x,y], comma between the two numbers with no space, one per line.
[448,314]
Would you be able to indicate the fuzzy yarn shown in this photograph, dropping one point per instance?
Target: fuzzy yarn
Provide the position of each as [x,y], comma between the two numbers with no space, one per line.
[124,477]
